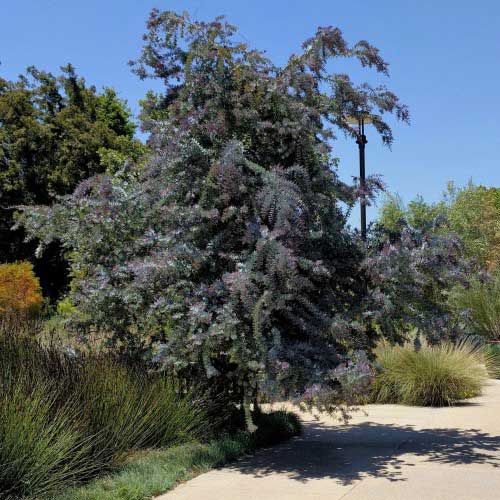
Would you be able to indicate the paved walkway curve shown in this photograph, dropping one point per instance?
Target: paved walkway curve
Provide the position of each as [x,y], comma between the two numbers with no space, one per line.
[395,452]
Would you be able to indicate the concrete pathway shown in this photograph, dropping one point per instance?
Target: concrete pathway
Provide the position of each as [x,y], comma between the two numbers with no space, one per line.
[394,452]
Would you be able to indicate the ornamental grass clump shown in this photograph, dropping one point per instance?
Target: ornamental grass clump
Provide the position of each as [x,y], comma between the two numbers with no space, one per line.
[434,375]
[493,351]
[41,446]
[65,418]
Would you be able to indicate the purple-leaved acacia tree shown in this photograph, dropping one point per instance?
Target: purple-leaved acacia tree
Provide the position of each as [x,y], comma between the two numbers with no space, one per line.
[228,255]
[414,261]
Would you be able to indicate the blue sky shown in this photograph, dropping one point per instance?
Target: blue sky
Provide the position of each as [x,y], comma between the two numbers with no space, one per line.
[444,62]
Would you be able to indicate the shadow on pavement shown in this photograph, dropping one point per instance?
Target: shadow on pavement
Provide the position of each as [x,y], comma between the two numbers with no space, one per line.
[349,453]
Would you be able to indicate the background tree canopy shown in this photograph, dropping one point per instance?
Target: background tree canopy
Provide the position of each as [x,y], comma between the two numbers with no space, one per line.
[229,251]
[54,132]
[435,265]
[472,213]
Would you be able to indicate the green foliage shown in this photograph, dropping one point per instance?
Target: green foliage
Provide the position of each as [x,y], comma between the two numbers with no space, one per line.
[475,215]
[65,308]
[52,129]
[439,375]
[156,472]
[55,131]
[392,214]
[422,215]
[472,213]
[493,350]
[66,418]
[478,304]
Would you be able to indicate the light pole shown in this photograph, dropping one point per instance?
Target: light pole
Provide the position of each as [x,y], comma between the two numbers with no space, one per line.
[360,121]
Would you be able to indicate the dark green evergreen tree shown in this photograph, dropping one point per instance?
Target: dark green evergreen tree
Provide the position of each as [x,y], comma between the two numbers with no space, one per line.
[54,132]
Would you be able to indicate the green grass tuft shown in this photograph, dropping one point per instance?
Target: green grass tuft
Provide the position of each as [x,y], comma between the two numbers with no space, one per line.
[41,447]
[65,419]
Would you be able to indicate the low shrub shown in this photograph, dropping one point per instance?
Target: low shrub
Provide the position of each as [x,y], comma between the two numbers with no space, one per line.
[275,427]
[434,375]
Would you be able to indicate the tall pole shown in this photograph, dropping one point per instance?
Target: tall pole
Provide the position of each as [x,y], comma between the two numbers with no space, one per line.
[361,142]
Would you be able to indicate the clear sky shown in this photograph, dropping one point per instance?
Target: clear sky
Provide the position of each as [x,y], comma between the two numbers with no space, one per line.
[444,62]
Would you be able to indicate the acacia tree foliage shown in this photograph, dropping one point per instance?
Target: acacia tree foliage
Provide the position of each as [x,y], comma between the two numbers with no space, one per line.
[54,132]
[465,295]
[229,251]
[415,262]
[411,277]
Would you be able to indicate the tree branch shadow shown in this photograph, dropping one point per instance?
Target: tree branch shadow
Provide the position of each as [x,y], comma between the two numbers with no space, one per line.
[352,452]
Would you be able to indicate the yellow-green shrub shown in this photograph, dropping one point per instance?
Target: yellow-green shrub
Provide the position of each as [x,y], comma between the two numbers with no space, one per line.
[431,376]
